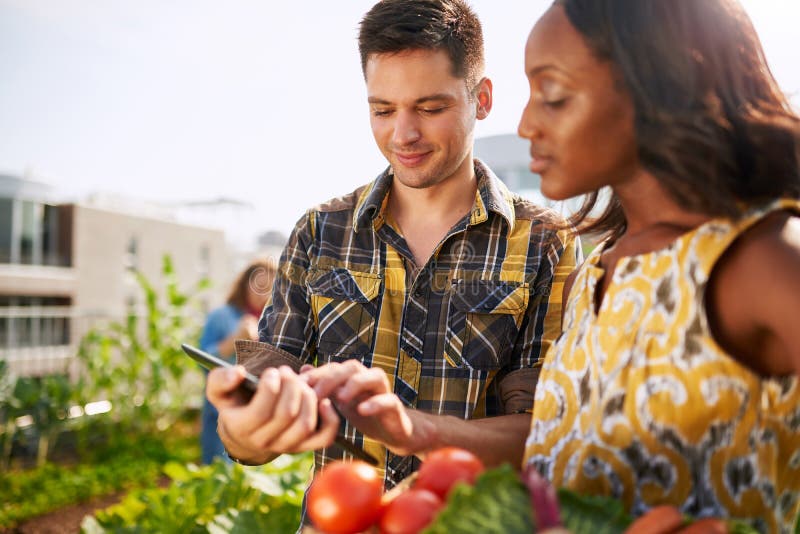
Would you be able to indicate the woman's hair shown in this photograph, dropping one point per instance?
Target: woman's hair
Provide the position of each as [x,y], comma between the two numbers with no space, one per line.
[711,122]
[249,280]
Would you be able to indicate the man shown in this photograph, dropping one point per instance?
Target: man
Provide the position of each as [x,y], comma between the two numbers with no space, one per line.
[431,292]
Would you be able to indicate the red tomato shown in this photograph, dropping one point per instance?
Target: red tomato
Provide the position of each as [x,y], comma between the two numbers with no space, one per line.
[410,512]
[442,468]
[345,498]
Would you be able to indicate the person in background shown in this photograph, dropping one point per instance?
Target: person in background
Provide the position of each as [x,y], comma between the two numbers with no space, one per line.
[675,381]
[236,319]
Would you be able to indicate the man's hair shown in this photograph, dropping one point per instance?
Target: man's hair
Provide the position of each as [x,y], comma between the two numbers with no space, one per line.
[711,122]
[394,26]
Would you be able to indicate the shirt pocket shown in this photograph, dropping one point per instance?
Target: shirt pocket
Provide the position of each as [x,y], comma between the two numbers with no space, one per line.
[344,303]
[483,319]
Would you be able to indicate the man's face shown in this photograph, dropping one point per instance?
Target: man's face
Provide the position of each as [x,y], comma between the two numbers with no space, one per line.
[422,117]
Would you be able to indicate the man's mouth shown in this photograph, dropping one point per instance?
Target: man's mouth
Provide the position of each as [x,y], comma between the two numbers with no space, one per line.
[411,159]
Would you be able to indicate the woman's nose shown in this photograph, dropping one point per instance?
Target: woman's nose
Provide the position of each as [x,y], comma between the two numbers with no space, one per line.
[527,128]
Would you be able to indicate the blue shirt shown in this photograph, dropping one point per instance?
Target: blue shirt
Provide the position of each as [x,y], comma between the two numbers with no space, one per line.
[220,324]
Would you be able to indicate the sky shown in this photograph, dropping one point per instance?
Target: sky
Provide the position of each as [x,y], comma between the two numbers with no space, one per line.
[255,100]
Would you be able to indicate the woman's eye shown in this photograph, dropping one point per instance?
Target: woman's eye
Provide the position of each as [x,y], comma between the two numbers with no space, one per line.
[555,103]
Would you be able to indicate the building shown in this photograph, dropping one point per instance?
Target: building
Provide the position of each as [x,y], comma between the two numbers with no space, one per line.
[508,155]
[65,266]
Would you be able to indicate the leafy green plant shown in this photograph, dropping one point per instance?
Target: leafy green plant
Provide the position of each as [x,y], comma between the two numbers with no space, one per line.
[46,400]
[120,464]
[7,418]
[137,363]
[217,498]
[585,514]
[497,503]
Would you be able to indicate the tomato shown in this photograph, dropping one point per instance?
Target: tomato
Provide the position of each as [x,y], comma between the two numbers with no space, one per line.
[345,498]
[442,468]
[410,512]
[658,520]
[706,526]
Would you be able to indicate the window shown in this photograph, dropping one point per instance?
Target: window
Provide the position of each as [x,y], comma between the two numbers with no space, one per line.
[132,254]
[34,321]
[204,265]
[32,233]
[6,222]
[56,235]
[29,244]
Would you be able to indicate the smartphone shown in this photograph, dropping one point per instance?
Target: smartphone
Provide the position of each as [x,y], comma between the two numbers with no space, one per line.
[248,388]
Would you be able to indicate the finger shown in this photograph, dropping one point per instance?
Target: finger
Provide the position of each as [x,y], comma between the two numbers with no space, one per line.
[328,429]
[262,406]
[330,377]
[221,387]
[378,404]
[287,408]
[305,371]
[301,427]
[367,383]
[241,421]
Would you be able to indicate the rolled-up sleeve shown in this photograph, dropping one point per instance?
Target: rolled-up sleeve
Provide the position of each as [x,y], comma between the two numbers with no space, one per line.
[541,326]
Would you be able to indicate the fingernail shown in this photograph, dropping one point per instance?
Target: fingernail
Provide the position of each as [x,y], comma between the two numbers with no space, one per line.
[231,375]
[272,378]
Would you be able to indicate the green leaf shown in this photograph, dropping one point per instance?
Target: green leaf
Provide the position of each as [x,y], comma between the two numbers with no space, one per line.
[176,471]
[497,504]
[266,484]
[282,520]
[737,526]
[584,514]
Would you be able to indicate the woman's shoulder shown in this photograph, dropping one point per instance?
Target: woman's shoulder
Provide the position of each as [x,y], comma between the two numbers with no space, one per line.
[769,249]
[225,312]
[754,293]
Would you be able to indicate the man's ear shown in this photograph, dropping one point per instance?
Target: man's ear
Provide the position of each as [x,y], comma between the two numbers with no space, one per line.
[483,98]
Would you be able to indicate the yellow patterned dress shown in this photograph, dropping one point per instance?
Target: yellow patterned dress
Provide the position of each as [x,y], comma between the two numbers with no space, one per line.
[638,402]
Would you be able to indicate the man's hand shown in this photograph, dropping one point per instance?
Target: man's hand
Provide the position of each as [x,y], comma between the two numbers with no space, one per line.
[364,397]
[280,418]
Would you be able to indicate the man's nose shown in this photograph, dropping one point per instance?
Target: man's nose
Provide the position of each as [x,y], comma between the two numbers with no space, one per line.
[406,128]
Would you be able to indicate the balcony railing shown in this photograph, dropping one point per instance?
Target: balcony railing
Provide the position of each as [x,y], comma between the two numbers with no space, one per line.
[38,340]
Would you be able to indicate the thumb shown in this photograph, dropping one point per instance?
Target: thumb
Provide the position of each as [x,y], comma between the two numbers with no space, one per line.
[221,386]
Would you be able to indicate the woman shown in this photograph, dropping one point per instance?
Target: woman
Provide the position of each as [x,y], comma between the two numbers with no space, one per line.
[676,379]
[237,319]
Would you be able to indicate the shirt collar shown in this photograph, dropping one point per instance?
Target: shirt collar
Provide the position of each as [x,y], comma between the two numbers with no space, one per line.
[492,195]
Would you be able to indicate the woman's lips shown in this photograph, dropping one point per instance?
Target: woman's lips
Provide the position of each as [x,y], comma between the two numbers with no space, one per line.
[411,160]
[539,164]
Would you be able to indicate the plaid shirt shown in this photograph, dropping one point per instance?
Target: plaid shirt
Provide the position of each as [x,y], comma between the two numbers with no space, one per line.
[463,335]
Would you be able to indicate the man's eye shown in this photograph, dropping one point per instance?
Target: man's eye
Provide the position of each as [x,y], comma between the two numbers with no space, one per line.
[432,111]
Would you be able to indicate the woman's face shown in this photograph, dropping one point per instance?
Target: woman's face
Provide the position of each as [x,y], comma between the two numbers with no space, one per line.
[259,289]
[578,120]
